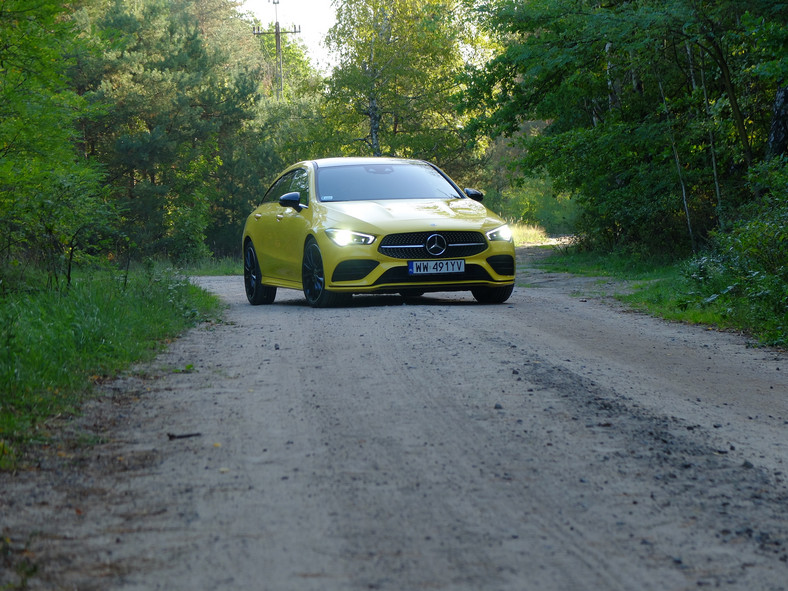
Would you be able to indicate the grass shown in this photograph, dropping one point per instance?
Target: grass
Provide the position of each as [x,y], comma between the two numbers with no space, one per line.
[215,267]
[55,344]
[666,288]
[618,265]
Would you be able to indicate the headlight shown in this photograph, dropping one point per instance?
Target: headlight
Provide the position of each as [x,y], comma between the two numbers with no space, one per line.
[346,237]
[501,234]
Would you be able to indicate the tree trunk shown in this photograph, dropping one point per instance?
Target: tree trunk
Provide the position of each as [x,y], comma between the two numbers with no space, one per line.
[684,197]
[778,134]
[716,53]
[612,91]
[713,151]
[374,126]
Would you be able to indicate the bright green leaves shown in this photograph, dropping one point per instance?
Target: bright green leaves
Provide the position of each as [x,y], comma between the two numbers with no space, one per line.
[45,188]
[398,66]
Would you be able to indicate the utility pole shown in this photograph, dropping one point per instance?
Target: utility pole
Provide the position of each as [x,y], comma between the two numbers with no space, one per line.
[278,34]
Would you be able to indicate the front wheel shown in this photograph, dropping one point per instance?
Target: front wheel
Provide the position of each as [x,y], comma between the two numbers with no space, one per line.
[256,292]
[492,295]
[313,279]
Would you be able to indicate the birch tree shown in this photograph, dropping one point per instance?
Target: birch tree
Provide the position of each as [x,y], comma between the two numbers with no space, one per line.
[398,66]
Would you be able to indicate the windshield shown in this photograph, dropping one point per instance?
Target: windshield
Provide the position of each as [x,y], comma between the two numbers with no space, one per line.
[359,182]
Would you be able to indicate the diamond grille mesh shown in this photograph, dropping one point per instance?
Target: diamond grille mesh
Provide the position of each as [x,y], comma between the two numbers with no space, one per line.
[411,245]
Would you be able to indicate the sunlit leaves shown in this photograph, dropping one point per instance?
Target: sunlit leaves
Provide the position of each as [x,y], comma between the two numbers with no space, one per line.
[45,188]
[398,66]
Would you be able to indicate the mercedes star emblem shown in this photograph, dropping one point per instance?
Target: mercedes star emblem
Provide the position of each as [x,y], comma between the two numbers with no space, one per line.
[436,245]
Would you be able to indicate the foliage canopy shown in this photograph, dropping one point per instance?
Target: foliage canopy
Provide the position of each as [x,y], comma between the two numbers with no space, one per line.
[654,111]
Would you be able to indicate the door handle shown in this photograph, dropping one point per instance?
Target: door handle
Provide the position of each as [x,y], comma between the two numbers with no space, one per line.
[280,217]
[257,216]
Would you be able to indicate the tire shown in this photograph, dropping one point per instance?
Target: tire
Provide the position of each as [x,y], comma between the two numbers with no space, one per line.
[313,279]
[256,292]
[492,295]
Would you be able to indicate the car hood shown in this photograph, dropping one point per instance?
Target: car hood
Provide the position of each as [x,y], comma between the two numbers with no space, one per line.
[394,215]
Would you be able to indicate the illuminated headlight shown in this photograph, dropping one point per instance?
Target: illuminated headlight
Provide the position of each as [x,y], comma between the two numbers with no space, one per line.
[346,237]
[501,234]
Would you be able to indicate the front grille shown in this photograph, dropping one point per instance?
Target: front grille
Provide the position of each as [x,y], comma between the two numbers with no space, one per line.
[412,245]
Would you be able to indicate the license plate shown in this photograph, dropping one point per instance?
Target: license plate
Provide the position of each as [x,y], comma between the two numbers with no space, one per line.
[436,267]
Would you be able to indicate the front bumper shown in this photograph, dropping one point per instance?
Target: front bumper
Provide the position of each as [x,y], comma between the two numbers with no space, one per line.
[361,269]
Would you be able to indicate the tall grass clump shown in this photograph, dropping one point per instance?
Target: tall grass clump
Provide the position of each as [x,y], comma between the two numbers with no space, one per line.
[528,234]
[55,344]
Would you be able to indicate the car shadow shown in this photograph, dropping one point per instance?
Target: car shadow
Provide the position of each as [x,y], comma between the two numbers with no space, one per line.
[380,300]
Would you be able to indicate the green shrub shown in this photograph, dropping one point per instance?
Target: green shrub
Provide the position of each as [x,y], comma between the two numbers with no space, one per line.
[55,344]
[532,201]
[746,272]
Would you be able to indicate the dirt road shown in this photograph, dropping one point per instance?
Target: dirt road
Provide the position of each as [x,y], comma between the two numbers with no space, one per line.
[556,442]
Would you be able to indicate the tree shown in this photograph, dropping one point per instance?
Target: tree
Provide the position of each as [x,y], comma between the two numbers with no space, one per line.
[653,109]
[397,67]
[176,84]
[48,193]
[273,134]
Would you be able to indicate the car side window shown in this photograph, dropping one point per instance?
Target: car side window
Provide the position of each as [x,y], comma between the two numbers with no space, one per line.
[301,184]
[279,188]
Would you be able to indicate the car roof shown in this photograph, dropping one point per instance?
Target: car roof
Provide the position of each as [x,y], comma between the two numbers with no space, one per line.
[350,160]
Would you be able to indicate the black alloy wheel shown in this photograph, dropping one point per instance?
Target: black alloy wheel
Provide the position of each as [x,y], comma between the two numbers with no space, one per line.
[313,279]
[256,292]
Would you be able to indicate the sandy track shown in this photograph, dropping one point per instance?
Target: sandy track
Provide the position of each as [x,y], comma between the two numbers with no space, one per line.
[555,442]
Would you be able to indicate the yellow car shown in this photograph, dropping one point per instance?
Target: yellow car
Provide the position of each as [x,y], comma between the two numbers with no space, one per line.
[341,226]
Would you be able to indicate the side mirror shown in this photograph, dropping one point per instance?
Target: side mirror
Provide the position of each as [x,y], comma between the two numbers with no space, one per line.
[474,194]
[292,199]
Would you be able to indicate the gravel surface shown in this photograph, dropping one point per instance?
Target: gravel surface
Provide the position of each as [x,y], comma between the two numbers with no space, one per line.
[556,442]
